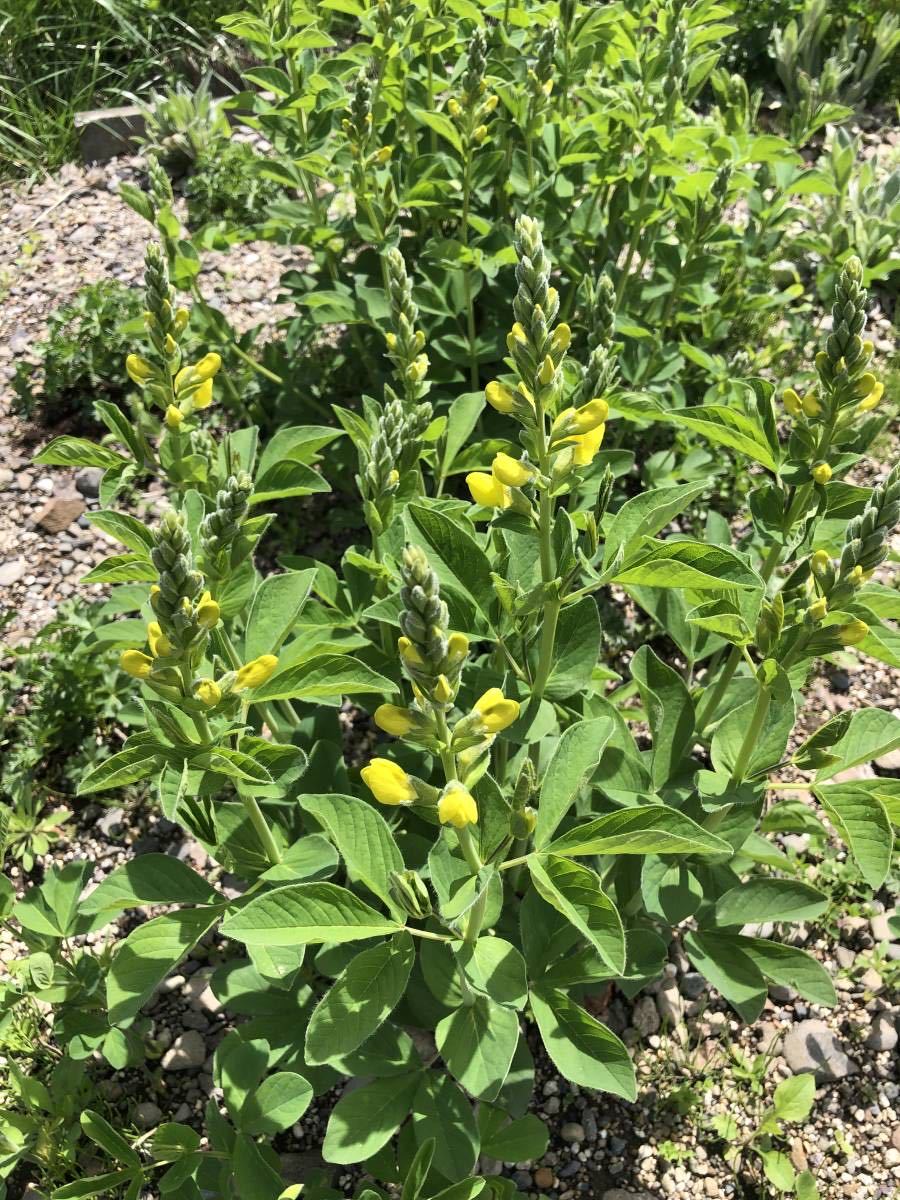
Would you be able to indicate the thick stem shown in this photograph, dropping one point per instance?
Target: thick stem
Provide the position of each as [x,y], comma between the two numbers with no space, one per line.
[751,737]
[263,832]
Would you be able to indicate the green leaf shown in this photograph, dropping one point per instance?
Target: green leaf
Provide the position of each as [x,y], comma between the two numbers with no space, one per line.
[730,970]
[686,564]
[585,1051]
[726,426]
[123,568]
[362,838]
[670,712]
[277,603]
[276,1104]
[577,753]
[645,514]
[647,829]
[519,1141]
[496,968]
[455,555]
[360,1000]
[305,913]
[805,1187]
[871,733]
[477,1042]
[147,956]
[96,1185]
[148,879]
[125,529]
[575,650]
[790,967]
[78,452]
[441,124]
[441,1111]
[764,899]
[286,479]
[363,1120]
[793,1098]
[326,678]
[99,1130]
[862,822]
[778,1169]
[576,892]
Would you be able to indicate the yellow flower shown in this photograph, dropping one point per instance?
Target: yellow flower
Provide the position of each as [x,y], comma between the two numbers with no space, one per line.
[872,399]
[255,672]
[454,107]
[209,692]
[818,609]
[811,406]
[865,384]
[139,370]
[820,561]
[853,632]
[409,653]
[792,403]
[135,663]
[491,103]
[488,491]
[562,336]
[499,397]
[160,646]
[495,711]
[388,782]
[547,371]
[209,365]
[417,370]
[510,471]
[547,87]
[443,692]
[586,446]
[590,415]
[203,396]
[856,576]
[391,341]
[518,334]
[457,648]
[394,720]
[457,806]
[384,155]
[208,612]
[821,472]
[174,416]
[480,134]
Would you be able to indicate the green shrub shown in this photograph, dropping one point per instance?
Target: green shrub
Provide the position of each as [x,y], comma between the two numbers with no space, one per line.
[226,184]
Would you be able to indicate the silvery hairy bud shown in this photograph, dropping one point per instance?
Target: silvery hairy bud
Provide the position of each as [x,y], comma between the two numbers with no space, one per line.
[410,893]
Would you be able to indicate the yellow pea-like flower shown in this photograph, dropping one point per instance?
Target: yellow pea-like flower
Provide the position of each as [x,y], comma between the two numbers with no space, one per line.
[586,445]
[491,103]
[394,720]
[480,134]
[510,471]
[856,576]
[457,648]
[409,653]
[792,402]
[208,611]
[203,396]
[139,370]
[209,365]
[873,399]
[388,782]
[547,371]
[518,334]
[853,632]
[391,341]
[562,336]
[443,692]
[384,155]
[865,384]
[160,646]
[209,692]
[821,472]
[818,609]
[174,417]
[820,561]
[255,672]
[487,491]
[457,806]
[454,107]
[590,415]
[135,663]
[496,711]
[499,397]
[811,405]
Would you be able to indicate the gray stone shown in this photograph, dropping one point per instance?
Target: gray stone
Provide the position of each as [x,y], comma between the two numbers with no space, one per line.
[889,761]
[572,1132]
[147,1115]
[110,824]
[669,1004]
[692,985]
[811,1046]
[645,1016]
[883,1035]
[87,481]
[104,133]
[621,1194]
[12,571]
[59,513]
[187,1052]
[881,930]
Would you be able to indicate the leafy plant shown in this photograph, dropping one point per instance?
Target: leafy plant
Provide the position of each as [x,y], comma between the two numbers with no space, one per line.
[227,184]
[77,358]
[183,124]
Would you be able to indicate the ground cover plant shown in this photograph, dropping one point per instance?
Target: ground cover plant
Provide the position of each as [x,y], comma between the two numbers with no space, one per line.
[566,349]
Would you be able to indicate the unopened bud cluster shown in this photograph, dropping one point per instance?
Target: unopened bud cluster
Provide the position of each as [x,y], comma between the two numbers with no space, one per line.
[472,109]
[405,342]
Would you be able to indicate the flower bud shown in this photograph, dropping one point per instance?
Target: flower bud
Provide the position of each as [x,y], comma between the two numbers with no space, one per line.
[208,612]
[170,345]
[856,576]
[457,806]
[562,337]
[510,471]
[820,562]
[487,491]
[139,370]
[391,341]
[135,663]
[457,649]
[811,405]
[388,782]
[208,692]
[499,397]
[873,399]
[180,319]
[443,692]
[853,632]
[518,335]
[547,371]
[394,719]
[817,610]
[454,108]
[865,384]
[490,103]
[160,646]
[821,472]
[410,893]
[522,822]
[480,134]
[174,416]
[383,155]
[255,672]
[408,653]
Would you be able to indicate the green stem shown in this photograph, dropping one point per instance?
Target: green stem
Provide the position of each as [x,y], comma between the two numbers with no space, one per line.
[263,832]
[634,235]
[467,282]
[751,737]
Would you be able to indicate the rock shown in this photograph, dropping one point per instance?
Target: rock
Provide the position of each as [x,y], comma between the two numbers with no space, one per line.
[6,477]
[543,1177]
[187,1053]
[621,1194]
[881,930]
[87,481]
[844,957]
[895,1138]
[12,571]
[147,1115]
[860,771]
[669,1004]
[645,1016]
[59,513]
[110,824]
[296,1167]
[45,484]
[883,1035]
[889,761]
[572,1132]
[810,1046]
[871,980]
[692,985]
